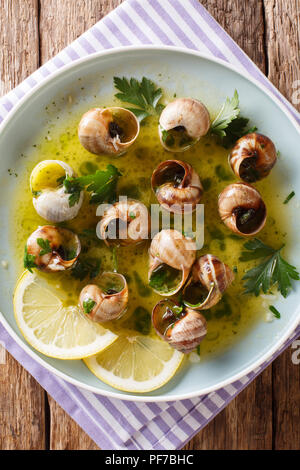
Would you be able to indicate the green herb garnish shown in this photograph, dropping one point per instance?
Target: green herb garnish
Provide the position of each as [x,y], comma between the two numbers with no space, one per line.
[29,261]
[86,267]
[198,350]
[142,320]
[272,270]
[115,259]
[143,290]
[101,184]
[206,183]
[144,95]
[88,305]
[290,196]
[275,311]
[229,126]
[222,173]
[45,245]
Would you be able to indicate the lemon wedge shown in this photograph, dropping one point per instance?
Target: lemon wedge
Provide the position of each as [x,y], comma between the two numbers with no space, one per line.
[136,363]
[53,327]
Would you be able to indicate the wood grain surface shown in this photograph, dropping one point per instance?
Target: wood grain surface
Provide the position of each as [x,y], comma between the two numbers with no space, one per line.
[266,414]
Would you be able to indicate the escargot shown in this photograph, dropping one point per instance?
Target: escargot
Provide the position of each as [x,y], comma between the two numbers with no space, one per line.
[182,123]
[53,248]
[108,130]
[253,157]
[107,300]
[182,327]
[210,277]
[171,258]
[50,199]
[242,209]
[177,186]
[124,223]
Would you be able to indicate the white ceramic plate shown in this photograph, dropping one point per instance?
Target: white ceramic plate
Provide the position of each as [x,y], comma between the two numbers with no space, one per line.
[186,73]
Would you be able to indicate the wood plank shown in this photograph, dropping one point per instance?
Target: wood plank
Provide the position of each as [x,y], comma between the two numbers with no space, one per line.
[61,22]
[245,424]
[65,434]
[283,47]
[22,418]
[243,20]
[283,44]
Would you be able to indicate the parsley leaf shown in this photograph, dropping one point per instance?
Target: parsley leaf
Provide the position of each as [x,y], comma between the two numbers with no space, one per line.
[86,267]
[29,260]
[272,270]
[74,188]
[229,111]
[145,95]
[88,305]
[45,245]
[229,126]
[101,184]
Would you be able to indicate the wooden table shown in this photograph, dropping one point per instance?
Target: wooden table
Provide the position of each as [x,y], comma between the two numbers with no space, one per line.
[266,415]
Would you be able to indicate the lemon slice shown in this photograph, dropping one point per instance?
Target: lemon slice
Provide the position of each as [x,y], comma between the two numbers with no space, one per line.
[136,363]
[53,328]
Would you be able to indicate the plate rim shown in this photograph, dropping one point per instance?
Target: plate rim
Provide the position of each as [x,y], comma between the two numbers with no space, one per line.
[141,397]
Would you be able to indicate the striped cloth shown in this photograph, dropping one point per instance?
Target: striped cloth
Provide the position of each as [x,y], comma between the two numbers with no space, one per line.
[112,423]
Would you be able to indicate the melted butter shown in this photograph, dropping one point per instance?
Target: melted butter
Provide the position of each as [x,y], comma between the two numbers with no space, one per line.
[236,313]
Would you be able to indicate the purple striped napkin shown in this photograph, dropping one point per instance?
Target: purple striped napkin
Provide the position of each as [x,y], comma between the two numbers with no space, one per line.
[112,423]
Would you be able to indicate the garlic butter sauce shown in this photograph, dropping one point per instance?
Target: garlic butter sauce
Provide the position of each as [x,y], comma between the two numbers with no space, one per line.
[236,312]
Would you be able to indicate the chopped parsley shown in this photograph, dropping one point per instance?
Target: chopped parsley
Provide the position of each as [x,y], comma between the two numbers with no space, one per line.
[102,186]
[29,260]
[86,267]
[275,311]
[290,196]
[88,305]
[45,246]
[144,95]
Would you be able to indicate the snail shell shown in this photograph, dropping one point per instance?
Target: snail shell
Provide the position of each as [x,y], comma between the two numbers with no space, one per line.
[171,252]
[50,199]
[253,157]
[213,277]
[183,331]
[64,248]
[182,123]
[125,223]
[242,209]
[108,130]
[177,186]
[106,301]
